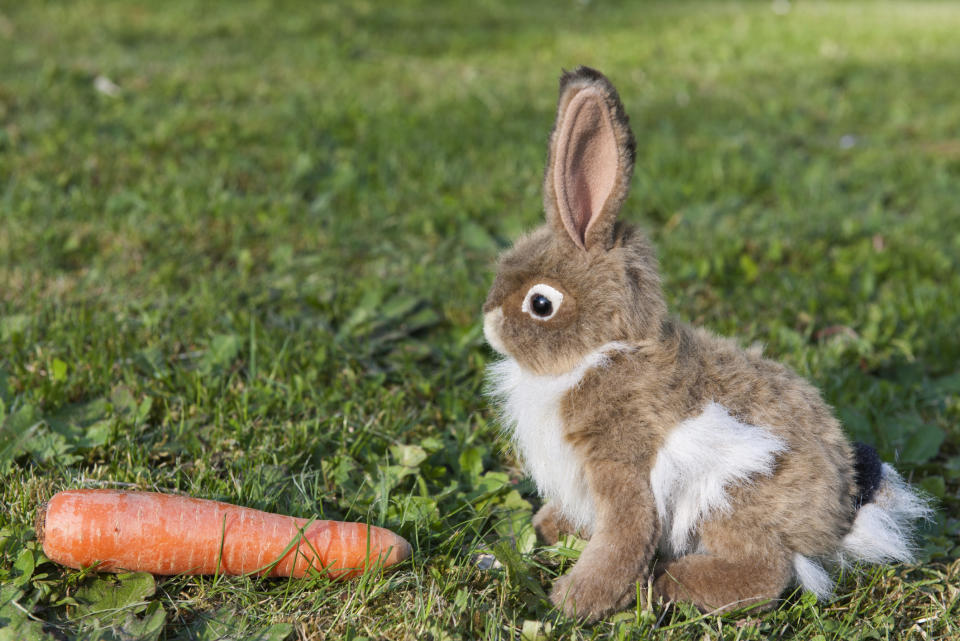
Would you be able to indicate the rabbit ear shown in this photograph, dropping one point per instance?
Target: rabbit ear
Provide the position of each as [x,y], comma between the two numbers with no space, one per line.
[590,161]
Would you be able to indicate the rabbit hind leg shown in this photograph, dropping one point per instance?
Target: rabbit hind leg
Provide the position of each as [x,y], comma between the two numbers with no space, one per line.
[716,583]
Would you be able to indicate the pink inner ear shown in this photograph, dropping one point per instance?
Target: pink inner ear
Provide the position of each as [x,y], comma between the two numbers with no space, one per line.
[585,167]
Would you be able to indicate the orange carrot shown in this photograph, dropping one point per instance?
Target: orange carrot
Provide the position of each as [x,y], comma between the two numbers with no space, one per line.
[169,534]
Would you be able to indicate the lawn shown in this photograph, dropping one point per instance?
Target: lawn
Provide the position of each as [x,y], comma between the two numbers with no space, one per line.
[244,246]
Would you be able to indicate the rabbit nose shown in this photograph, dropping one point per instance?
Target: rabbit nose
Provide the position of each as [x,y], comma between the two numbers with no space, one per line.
[492,321]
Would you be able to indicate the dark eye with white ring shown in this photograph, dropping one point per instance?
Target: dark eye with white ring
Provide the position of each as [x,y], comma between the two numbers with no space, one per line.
[541,302]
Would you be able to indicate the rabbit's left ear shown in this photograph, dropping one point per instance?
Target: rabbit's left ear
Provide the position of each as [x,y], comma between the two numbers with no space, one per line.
[590,160]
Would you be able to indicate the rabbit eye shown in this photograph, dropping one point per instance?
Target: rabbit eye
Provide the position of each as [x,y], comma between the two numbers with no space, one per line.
[541,305]
[542,302]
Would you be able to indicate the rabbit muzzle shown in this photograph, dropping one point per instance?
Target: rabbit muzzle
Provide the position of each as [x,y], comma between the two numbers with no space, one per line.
[492,322]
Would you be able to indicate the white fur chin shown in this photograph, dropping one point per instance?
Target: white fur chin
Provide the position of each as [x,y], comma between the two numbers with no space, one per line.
[701,457]
[530,408]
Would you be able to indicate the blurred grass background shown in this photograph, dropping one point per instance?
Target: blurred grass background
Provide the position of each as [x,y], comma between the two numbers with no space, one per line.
[243,248]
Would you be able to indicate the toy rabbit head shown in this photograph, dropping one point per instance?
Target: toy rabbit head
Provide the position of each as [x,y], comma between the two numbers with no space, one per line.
[582,279]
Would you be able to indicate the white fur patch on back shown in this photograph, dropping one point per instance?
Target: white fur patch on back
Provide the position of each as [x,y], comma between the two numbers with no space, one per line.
[883,529]
[700,458]
[530,408]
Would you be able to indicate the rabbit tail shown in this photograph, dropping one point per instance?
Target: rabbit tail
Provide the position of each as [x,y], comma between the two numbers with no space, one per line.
[884,528]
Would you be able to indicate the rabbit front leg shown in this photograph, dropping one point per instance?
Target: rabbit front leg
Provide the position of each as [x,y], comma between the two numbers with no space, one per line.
[619,553]
[550,523]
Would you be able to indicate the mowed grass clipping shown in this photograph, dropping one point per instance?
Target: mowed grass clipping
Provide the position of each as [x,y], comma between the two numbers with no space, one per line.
[244,246]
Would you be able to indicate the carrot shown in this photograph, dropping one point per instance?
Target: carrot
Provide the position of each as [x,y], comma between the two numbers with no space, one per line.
[169,534]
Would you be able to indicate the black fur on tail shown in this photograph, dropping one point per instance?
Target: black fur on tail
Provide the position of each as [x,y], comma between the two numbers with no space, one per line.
[867,471]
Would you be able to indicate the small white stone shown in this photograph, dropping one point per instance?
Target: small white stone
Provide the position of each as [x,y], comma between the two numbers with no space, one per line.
[106,86]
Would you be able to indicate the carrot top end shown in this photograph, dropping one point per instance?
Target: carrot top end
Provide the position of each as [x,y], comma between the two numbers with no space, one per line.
[40,521]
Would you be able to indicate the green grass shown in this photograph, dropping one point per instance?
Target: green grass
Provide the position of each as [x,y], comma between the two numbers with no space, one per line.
[255,275]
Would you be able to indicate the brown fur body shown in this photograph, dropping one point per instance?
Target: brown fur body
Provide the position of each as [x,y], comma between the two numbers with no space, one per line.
[807,506]
[617,417]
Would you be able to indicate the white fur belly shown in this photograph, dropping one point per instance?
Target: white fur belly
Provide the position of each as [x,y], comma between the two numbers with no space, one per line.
[530,407]
[699,460]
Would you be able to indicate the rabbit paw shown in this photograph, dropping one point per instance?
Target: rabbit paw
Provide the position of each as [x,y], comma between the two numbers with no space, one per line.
[550,524]
[585,596]
[546,524]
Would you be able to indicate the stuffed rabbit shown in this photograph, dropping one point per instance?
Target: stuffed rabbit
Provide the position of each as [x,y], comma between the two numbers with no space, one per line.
[648,436]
